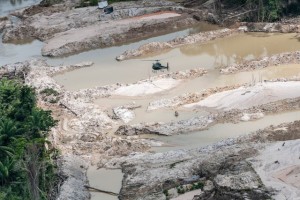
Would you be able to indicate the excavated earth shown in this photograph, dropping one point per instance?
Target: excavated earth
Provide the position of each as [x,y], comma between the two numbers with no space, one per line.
[82,137]
[66,30]
[262,165]
[231,169]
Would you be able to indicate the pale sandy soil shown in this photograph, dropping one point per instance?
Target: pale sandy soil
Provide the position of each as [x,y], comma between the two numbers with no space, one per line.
[279,167]
[158,15]
[106,28]
[246,97]
[147,87]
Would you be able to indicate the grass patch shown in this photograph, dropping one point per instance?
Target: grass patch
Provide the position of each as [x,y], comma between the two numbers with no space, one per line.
[49,91]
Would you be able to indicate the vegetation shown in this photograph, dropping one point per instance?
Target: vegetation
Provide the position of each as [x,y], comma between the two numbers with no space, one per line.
[113,1]
[251,10]
[166,193]
[50,95]
[180,190]
[195,186]
[47,3]
[49,91]
[263,10]
[27,171]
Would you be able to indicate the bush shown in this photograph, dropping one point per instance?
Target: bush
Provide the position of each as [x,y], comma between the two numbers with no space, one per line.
[93,2]
[49,91]
[26,168]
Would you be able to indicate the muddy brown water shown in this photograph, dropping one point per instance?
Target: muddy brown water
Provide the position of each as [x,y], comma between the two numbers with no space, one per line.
[220,131]
[104,179]
[225,51]
[196,85]
[111,180]
[217,132]
[12,53]
[210,56]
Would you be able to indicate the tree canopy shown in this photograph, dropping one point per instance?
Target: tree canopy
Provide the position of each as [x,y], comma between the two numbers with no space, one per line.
[26,170]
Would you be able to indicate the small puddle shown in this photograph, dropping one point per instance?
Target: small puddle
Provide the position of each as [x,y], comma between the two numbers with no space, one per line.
[219,132]
[104,179]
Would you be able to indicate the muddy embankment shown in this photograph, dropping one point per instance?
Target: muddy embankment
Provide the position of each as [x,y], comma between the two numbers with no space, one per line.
[191,39]
[66,30]
[82,132]
[200,38]
[4,23]
[234,168]
[198,123]
[83,127]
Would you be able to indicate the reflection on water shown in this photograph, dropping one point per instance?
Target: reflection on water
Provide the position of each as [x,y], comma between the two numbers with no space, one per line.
[202,27]
[243,47]
[7,6]
[211,55]
[215,79]
[12,53]
[14,2]
[220,132]
[106,69]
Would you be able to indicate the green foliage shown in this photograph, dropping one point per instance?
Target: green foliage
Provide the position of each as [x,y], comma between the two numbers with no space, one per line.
[47,3]
[93,2]
[197,186]
[113,1]
[50,95]
[26,168]
[49,91]
[166,193]
[292,9]
[260,10]
[180,190]
[272,9]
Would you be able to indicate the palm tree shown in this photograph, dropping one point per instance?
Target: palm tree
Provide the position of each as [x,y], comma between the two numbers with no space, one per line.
[8,130]
[6,159]
[6,167]
[38,122]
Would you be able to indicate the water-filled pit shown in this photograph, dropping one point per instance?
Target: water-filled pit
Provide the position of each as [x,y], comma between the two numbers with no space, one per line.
[210,56]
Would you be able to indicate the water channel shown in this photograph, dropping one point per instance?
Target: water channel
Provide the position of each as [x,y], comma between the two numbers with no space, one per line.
[107,70]
[210,56]
[219,132]
[104,179]
[7,6]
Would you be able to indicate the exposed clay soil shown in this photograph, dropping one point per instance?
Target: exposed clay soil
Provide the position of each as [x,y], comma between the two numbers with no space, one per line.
[242,168]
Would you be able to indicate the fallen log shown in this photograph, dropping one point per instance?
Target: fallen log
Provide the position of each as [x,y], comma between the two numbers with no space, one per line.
[63,105]
[102,191]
